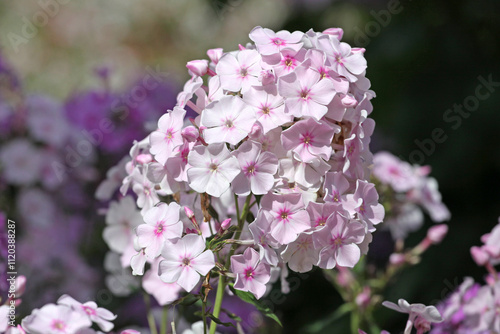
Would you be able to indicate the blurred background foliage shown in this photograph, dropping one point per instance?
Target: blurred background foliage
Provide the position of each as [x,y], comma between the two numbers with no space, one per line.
[421,61]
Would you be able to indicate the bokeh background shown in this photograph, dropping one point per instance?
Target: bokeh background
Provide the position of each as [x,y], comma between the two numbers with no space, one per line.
[424,57]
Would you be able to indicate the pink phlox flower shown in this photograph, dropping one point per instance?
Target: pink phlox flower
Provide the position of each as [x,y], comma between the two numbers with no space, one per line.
[164,293]
[21,162]
[269,42]
[166,175]
[144,189]
[101,316]
[418,313]
[288,60]
[257,169]
[319,213]
[338,242]
[187,93]
[309,139]
[55,319]
[197,67]
[305,92]
[251,274]
[185,260]
[239,71]
[289,217]
[162,224]
[114,178]
[228,120]
[301,254]
[270,141]
[121,219]
[391,170]
[341,58]
[268,106]
[308,175]
[308,194]
[168,136]
[260,230]
[364,203]
[212,169]
[335,187]
[404,219]
[429,197]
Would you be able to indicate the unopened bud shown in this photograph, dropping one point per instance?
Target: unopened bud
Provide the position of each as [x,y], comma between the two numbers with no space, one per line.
[397,259]
[337,32]
[267,77]
[215,54]
[437,233]
[349,101]
[225,224]
[189,212]
[144,159]
[190,133]
[479,255]
[198,67]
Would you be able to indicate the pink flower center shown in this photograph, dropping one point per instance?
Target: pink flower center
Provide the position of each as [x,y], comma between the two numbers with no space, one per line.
[307,139]
[350,150]
[339,59]
[284,215]
[243,72]
[362,209]
[335,196]
[321,221]
[278,41]
[58,325]
[186,262]
[229,123]
[249,273]
[304,94]
[159,228]
[265,110]
[213,167]
[169,135]
[88,310]
[337,241]
[251,169]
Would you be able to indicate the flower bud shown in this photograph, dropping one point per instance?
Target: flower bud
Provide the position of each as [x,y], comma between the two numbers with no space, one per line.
[215,54]
[336,32]
[20,285]
[397,259]
[190,133]
[144,159]
[225,224]
[437,233]
[198,67]
[349,101]
[479,255]
[189,212]
[267,77]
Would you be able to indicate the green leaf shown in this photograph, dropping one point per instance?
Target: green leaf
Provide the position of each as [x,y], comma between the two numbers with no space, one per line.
[219,322]
[248,297]
[231,315]
[187,300]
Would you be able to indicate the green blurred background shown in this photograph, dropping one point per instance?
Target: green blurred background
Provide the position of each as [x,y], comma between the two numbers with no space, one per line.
[423,58]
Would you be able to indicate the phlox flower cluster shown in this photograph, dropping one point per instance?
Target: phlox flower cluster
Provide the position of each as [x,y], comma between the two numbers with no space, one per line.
[475,308]
[272,172]
[405,190]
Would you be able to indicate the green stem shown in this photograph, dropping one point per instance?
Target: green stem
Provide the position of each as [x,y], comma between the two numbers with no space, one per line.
[218,302]
[151,318]
[204,315]
[354,321]
[222,284]
[164,320]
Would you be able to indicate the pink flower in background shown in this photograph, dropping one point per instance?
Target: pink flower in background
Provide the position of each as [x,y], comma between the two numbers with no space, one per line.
[364,203]
[164,293]
[306,94]
[309,139]
[101,316]
[55,319]
[269,42]
[390,170]
[121,219]
[251,274]
[338,242]
[228,120]
[212,169]
[257,169]
[168,136]
[240,71]
[419,314]
[185,260]
[162,224]
[301,255]
[20,161]
[289,217]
